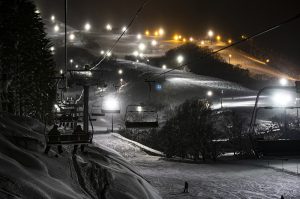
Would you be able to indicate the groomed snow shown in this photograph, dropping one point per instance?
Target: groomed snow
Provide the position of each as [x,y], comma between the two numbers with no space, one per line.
[226,179]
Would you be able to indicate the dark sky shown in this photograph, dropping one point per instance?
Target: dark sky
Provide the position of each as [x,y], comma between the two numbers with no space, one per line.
[230,18]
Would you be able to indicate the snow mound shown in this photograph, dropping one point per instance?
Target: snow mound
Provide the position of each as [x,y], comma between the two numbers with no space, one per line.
[26,172]
[143,147]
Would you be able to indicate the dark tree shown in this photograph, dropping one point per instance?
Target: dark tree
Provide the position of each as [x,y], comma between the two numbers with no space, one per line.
[26,59]
[190,132]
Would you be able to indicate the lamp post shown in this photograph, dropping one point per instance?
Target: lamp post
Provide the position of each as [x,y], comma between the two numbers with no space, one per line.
[111,105]
[229,57]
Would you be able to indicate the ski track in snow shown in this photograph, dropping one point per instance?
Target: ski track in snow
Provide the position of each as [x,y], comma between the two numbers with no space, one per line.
[217,180]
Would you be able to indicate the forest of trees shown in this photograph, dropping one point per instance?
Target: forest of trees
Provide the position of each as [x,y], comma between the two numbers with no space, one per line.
[26,64]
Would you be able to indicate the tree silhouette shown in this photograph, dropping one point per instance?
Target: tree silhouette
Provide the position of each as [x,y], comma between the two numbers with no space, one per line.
[26,59]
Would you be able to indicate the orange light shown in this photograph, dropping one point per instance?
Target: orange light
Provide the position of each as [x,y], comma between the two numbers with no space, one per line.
[218,38]
[176,37]
[156,33]
[229,41]
[184,40]
[147,32]
[179,37]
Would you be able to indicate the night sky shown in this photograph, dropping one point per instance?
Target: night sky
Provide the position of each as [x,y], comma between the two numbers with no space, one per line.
[230,18]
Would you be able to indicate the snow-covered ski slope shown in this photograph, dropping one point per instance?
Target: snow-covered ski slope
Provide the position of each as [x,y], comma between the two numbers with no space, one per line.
[224,179]
[25,172]
[174,89]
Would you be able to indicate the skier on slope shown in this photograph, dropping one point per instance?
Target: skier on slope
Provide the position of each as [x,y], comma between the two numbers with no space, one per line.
[186,187]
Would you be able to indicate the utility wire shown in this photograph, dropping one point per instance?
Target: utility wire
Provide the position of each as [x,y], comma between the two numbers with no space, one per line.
[123,33]
[234,44]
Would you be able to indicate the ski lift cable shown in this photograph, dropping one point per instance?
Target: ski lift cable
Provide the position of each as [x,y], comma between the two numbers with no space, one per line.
[123,33]
[234,44]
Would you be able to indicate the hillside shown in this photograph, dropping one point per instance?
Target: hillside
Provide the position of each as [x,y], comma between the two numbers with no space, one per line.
[26,172]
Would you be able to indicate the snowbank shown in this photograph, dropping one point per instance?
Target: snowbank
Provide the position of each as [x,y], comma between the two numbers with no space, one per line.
[143,147]
[25,172]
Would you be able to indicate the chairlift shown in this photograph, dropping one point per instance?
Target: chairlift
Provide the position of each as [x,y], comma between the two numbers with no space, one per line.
[70,137]
[97,112]
[138,116]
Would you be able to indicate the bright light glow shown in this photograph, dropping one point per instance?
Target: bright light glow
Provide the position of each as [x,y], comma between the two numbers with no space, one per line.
[164,67]
[52,48]
[176,37]
[87,27]
[56,28]
[76,66]
[142,46]
[135,53]
[56,107]
[139,109]
[281,99]
[121,80]
[184,40]
[158,87]
[71,61]
[161,32]
[283,82]
[120,71]
[191,39]
[156,33]
[218,38]
[137,61]
[209,93]
[111,104]
[61,71]
[141,55]
[229,55]
[37,11]
[124,29]
[108,27]
[147,32]
[267,60]
[139,36]
[53,18]
[179,36]
[72,36]
[108,53]
[210,33]
[180,59]
[153,42]
[229,41]
[102,52]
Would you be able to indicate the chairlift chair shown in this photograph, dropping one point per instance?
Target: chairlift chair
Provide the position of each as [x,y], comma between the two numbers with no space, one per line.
[71,138]
[138,116]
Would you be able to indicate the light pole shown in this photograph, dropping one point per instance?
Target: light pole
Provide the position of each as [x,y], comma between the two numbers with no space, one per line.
[222,92]
[210,34]
[111,105]
[229,57]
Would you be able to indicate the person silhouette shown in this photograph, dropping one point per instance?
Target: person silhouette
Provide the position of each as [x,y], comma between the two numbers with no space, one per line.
[78,130]
[54,132]
[186,187]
